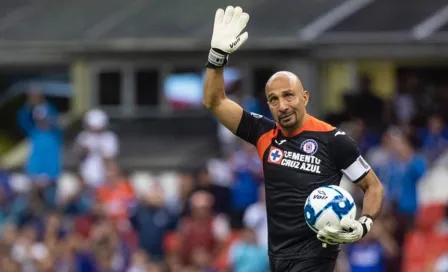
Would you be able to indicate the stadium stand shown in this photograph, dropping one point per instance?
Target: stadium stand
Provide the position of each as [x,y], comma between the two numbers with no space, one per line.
[367,19]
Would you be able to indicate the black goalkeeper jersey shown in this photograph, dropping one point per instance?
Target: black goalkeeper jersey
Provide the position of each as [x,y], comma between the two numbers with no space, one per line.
[317,154]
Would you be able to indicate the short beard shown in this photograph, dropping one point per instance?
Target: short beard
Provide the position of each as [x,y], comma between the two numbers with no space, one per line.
[290,125]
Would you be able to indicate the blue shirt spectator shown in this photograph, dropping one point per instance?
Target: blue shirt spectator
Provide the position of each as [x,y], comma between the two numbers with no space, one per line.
[247,169]
[152,221]
[434,138]
[247,256]
[366,257]
[39,123]
[389,170]
[415,169]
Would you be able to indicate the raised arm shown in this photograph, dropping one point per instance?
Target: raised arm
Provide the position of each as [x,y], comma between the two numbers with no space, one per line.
[227,111]
[226,39]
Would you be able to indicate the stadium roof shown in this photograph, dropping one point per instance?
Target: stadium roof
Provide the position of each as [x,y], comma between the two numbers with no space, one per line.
[81,25]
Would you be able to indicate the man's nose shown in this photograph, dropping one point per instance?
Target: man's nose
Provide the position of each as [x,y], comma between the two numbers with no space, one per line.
[283,105]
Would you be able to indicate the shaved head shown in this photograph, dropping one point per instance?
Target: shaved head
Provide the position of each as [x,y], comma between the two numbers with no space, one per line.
[287,100]
[283,79]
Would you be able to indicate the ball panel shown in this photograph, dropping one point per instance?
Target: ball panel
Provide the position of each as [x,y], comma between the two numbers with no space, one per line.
[328,218]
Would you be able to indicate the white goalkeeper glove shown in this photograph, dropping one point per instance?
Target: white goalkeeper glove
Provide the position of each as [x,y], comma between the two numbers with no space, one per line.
[350,231]
[227,37]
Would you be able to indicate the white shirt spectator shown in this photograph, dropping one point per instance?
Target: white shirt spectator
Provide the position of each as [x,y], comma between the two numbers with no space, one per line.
[100,144]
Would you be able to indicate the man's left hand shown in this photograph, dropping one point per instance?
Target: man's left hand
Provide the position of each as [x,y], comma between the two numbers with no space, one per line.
[350,231]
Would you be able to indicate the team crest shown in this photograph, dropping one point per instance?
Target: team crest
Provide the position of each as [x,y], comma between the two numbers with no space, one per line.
[309,146]
[275,155]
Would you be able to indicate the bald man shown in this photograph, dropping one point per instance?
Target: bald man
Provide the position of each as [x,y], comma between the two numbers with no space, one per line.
[299,153]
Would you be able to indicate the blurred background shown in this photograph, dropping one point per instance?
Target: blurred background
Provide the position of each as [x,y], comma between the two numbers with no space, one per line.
[109,161]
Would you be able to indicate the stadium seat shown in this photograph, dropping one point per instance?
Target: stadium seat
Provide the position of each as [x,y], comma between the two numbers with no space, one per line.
[436,245]
[414,251]
[429,216]
[422,248]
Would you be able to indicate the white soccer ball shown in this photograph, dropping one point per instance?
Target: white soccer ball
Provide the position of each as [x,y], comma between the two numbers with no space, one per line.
[327,205]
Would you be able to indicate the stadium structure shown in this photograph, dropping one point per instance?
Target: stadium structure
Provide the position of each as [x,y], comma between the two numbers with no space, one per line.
[117,55]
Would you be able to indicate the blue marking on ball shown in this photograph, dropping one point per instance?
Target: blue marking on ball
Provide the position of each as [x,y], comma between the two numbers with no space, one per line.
[340,205]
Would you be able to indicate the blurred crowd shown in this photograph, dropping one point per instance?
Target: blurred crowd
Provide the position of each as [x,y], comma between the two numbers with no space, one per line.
[405,140]
[101,218]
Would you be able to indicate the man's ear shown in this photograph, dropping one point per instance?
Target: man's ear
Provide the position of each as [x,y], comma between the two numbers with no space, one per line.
[306,97]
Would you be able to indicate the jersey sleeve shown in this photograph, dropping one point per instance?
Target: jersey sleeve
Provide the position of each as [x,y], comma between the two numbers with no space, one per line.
[347,157]
[252,126]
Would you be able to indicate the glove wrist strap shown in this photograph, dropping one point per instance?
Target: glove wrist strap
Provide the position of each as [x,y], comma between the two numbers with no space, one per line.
[216,58]
[366,222]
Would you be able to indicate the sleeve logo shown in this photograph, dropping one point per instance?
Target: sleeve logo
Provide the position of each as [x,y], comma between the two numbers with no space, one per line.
[256,115]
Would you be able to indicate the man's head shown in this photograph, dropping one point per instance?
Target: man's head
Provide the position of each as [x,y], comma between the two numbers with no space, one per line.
[35,96]
[287,100]
[155,197]
[42,117]
[201,204]
[113,174]
[96,120]
[435,124]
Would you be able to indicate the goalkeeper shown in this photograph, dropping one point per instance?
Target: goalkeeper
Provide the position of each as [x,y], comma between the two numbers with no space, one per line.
[299,153]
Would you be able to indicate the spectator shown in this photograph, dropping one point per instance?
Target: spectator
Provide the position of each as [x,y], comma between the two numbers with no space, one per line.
[6,199]
[96,147]
[387,166]
[10,234]
[248,256]
[179,204]
[248,176]
[79,201]
[7,263]
[202,260]
[434,138]
[415,167]
[370,253]
[201,230]
[110,251]
[366,105]
[30,208]
[35,101]
[152,221]
[405,100]
[116,196]
[140,262]
[220,193]
[255,218]
[39,121]
[28,251]
[364,136]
